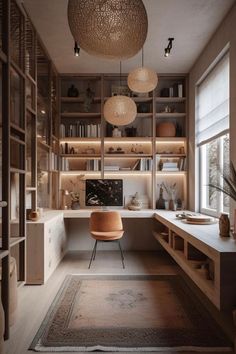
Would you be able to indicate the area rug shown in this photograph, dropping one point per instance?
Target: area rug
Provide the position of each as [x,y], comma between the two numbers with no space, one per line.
[127,313]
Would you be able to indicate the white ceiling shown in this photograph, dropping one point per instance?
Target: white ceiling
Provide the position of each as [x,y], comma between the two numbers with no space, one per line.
[190,22]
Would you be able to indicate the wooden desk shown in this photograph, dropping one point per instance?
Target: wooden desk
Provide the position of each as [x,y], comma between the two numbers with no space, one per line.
[208,259]
[125,213]
[47,238]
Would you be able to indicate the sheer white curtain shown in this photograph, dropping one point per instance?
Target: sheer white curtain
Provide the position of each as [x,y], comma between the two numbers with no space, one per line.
[213,103]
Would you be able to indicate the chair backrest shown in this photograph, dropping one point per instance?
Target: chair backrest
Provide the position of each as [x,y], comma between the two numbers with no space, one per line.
[105,221]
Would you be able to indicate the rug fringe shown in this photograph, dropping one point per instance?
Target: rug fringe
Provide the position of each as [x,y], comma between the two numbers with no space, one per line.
[39,348]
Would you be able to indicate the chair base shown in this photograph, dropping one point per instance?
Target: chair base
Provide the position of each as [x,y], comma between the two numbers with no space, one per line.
[93,255]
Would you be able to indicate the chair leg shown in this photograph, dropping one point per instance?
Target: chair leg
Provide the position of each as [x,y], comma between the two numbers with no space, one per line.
[94,255]
[94,248]
[122,255]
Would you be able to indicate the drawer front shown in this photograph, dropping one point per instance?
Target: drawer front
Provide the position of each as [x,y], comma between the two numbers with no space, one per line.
[55,242]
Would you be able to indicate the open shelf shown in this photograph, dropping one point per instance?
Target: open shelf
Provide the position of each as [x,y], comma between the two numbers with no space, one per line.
[202,254]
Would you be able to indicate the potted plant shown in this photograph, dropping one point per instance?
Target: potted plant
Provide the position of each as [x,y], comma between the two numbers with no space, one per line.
[171,192]
[74,200]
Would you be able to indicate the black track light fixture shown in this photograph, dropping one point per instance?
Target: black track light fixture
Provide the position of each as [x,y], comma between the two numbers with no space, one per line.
[76,49]
[169,47]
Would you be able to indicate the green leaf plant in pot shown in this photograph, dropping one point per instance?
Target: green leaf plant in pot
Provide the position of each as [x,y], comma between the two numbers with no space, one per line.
[229,186]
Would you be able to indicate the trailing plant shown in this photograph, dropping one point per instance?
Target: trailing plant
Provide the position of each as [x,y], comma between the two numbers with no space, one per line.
[229,186]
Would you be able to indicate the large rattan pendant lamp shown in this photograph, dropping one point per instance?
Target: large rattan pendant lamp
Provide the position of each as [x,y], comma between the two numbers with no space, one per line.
[142,80]
[115,29]
[120,110]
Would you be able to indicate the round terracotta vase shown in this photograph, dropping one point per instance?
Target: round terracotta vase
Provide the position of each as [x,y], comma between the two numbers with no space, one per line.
[165,129]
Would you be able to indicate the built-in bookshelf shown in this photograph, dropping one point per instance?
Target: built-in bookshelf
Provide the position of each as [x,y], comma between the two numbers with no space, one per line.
[153,147]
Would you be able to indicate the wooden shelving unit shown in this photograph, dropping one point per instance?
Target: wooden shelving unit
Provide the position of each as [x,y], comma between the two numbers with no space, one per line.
[145,143]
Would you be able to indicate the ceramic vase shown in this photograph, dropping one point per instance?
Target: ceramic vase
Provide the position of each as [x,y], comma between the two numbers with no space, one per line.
[224,225]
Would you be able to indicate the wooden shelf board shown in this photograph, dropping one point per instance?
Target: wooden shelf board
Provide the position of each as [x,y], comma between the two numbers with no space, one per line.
[128,139]
[17,128]
[167,139]
[30,189]
[170,115]
[171,172]
[31,110]
[13,241]
[82,156]
[76,172]
[16,170]
[136,99]
[170,155]
[78,99]
[144,115]
[43,144]
[142,99]
[128,172]
[3,253]
[123,156]
[80,115]
[80,140]
[170,99]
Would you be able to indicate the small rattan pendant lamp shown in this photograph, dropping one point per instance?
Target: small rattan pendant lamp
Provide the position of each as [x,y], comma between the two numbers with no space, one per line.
[120,110]
[142,80]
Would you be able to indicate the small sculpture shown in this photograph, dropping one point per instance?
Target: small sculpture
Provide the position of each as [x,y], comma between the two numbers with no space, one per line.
[88,99]
[224,225]
[72,91]
[136,203]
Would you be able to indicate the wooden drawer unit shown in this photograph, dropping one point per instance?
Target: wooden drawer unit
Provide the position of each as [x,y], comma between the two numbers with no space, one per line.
[46,246]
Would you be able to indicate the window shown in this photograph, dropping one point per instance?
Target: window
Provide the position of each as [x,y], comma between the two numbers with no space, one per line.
[213,136]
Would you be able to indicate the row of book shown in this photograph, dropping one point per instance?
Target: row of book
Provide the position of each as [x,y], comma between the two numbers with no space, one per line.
[54,161]
[80,130]
[93,165]
[142,164]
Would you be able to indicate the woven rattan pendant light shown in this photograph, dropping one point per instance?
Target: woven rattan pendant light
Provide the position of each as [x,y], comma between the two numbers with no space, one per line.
[120,110]
[142,80]
[112,29]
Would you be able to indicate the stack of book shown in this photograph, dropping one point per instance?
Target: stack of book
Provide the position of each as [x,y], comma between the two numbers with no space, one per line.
[111,168]
[170,166]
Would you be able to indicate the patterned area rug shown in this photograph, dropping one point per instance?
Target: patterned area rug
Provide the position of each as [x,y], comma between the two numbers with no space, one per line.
[127,313]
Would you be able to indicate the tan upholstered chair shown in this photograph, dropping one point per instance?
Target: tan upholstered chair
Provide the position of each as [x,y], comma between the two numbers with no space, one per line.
[106,226]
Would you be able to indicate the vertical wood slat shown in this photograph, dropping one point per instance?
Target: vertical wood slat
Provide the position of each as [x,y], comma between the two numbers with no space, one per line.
[6,162]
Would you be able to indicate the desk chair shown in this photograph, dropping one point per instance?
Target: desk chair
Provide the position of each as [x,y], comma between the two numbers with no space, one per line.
[106,226]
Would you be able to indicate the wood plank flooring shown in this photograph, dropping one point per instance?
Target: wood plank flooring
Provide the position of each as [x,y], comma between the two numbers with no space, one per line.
[34,301]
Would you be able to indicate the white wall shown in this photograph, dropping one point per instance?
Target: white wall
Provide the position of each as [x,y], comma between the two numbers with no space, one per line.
[225,34]
[137,236]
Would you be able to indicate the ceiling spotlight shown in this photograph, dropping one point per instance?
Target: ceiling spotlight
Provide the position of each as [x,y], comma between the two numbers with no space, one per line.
[76,49]
[169,47]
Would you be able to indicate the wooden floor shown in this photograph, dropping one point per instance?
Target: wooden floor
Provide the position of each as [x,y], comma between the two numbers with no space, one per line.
[34,301]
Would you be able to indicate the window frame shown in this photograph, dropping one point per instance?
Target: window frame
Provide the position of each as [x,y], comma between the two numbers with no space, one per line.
[203,177]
